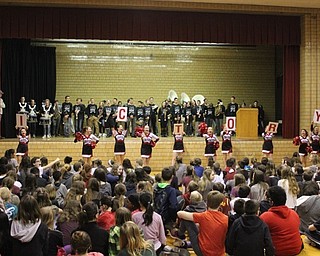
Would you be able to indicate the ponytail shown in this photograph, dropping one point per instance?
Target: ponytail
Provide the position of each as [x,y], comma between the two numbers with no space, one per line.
[146,202]
[88,213]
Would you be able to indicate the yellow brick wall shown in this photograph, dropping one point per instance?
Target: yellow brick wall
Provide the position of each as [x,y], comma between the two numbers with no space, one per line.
[104,71]
[310,68]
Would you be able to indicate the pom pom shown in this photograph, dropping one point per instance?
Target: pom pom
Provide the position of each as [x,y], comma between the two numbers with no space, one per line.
[78,136]
[296,141]
[216,145]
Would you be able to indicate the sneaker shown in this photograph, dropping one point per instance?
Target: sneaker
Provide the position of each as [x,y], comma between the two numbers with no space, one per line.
[49,136]
[44,136]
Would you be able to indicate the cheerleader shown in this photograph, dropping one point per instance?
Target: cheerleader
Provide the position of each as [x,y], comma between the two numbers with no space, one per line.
[22,149]
[303,142]
[267,147]
[226,147]
[89,143]
[314,139]
[178,147]
[212,144]
[119,146]
[149,140]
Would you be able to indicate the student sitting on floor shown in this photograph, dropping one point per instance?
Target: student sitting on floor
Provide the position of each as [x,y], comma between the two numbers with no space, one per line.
[196,205]
[249,235]
[213,224]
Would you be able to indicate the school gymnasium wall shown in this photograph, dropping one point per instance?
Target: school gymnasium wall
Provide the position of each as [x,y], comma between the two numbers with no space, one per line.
[104,71]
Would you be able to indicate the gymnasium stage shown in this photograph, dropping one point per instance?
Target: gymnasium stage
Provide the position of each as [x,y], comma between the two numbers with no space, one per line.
[162,153]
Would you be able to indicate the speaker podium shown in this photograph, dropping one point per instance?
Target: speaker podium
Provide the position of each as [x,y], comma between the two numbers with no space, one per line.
[247,123]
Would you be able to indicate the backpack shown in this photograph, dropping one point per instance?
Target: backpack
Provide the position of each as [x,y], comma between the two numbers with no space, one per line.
[160,200]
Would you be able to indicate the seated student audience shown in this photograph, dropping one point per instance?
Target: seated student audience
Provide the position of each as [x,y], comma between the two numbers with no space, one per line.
[132,203]
[106,219]
[283,224]
[213,225]
[249,235]
[243,193]
[104,226]
[29,234]
[68,219]
[81,244]
[165,198]
[150,222]
[88,223]
[289,184]
[238,210]
[5,241]
[225,207]
[308,206]
[313,233]
[54,236]
[132,242]
[196,205]
[104,186]
[205,183]
[239,180]
[258,186]
[122,215]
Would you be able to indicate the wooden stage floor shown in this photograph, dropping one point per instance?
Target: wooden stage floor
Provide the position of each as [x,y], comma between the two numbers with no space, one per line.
[162,153]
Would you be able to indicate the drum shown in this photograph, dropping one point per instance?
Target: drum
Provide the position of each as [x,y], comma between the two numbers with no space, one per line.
[45,120]
[32,119]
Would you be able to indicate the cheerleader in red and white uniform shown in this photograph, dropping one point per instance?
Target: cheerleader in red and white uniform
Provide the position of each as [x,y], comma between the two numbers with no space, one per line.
[315,139]
[267,147]
[22,149]
[212,144]
[149,140]
[89,143]
[119,146]
[226,147]
[178,147]
[303,142]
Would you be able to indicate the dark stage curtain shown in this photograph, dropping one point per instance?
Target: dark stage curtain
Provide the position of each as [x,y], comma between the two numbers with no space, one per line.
[148,25]
[291,92]
[26,71]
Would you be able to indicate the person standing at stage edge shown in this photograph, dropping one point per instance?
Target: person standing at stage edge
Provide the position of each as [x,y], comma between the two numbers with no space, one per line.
[232,108]
[219,113]
[2,106]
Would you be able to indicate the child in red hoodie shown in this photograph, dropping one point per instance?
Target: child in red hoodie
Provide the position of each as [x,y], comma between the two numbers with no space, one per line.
[107,218]
[283,224]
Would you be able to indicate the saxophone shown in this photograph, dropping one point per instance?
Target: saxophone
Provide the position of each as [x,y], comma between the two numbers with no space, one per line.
[218,110]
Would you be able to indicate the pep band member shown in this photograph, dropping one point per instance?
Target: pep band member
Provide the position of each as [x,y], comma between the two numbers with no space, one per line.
[89,143]
[119,146]
[148,142]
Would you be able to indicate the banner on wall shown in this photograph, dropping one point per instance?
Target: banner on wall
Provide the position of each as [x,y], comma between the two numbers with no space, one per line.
[122,114]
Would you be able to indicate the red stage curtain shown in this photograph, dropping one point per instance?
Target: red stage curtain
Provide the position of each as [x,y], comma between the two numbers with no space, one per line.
[291,92]
[106,24]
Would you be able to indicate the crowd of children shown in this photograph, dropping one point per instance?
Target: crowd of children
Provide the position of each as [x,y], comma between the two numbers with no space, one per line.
[87,208]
